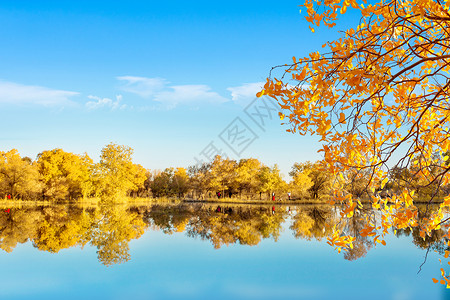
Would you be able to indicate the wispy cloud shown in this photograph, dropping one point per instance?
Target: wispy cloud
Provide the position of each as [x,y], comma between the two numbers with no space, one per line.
[186,94]
[15,93]
[98,103]
[142,86]
[245,93]
[160,90]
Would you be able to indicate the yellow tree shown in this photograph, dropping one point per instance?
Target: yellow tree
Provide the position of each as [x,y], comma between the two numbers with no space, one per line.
[180,182]
[86,171]
[378,96]
[64,174]
[117,174]
[270,180]
[223,174]
[247,175]
[300,185]
[319,178]
[200,179]
[18,176]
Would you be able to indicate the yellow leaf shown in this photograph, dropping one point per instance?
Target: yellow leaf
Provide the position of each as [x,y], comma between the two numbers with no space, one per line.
[342,118]
[384,182]
[281,116]
[435,280]
[259,94]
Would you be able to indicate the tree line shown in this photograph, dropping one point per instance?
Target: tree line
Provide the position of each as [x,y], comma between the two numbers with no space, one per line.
[60,175]
[64,176]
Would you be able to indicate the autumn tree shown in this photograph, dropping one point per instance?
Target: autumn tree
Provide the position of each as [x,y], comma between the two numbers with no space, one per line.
[65,175]
[300,185]
[144,190]
[319,178]
[270,180]
[170,182]
[200,179]
[117,174]
[86,184]
[247,175]
[19,177]
[378,97]
[357,182]
[180,182]
[223,174]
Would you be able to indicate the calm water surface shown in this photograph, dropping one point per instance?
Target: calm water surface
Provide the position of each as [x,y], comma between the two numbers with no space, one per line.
[205,252]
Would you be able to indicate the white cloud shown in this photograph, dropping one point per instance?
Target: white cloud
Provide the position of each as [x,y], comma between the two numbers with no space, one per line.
[104,102]
[245,93]
[159,90]
[247,90]
[188,94]
[142,86]
[16,93]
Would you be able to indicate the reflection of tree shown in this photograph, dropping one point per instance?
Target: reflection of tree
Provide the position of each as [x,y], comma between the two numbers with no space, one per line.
[169,218]
[54,228]
[362,243]
[112,233]
[244,225]
[220,225]
[17,226]
[60,229]
[359,250]
[438,240]
[316,222]
[110,227]
[313,222]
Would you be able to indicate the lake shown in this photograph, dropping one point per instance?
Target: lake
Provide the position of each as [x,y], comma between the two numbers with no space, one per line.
[206,251]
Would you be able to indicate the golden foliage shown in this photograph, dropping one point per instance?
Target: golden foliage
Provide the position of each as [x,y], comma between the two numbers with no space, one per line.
[379,100]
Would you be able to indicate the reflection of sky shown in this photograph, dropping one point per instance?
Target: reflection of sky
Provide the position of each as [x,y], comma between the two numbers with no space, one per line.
[178,267]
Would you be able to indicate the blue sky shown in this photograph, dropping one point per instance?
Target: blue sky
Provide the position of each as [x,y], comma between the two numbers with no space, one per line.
[165,78]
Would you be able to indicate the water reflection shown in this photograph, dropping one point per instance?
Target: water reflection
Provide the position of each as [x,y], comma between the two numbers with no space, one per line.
[110,228]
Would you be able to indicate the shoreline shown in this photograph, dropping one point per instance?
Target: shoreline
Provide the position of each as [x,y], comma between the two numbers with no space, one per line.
[172,201]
